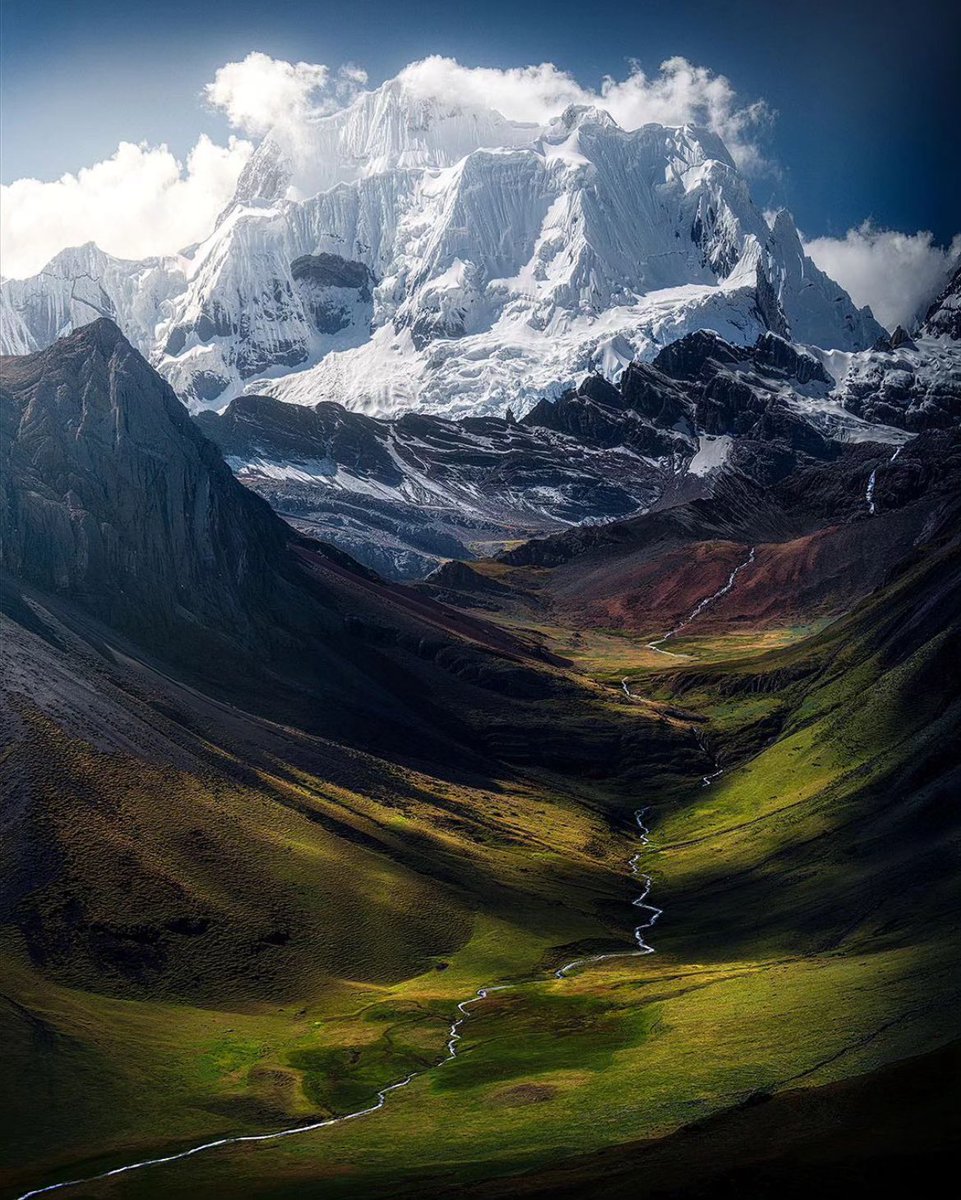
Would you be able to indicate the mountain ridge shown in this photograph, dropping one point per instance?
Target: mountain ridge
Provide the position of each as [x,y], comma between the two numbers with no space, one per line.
[404,494]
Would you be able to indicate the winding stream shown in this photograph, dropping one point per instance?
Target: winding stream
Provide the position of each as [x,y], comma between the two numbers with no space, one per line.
[464,1008]
[701,606]
[706,780]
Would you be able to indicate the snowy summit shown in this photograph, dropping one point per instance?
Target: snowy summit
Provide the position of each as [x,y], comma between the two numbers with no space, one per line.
[415,253]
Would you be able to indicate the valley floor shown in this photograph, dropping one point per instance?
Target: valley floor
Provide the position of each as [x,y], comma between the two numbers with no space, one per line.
[809,894]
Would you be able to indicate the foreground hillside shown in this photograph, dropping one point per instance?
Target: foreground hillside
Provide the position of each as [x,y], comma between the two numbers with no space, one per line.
[263,847]
[797,1024]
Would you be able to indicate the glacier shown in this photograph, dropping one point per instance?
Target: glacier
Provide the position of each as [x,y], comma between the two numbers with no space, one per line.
[417,254]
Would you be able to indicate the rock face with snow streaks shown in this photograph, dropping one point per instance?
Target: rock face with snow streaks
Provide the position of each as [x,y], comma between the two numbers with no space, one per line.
[406,493]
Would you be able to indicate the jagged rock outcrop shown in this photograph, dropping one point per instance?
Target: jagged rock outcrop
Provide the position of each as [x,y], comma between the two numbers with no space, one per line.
[403,495]
[943,318]
[911,382]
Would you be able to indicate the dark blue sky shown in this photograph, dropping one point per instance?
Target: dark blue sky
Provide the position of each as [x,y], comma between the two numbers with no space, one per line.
[866,93]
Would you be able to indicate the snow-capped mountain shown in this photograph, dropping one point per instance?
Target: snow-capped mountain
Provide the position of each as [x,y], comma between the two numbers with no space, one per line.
[420,254]
[388,129]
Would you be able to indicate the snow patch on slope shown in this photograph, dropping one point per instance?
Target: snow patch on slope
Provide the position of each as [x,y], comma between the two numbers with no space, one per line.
[712,454]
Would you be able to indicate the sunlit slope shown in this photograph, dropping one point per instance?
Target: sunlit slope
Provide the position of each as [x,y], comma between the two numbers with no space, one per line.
[252,791]
[810,897]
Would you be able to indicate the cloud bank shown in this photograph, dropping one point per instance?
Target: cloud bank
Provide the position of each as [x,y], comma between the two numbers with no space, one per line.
[680,94]
[139,202]
[261,94]
[896,273]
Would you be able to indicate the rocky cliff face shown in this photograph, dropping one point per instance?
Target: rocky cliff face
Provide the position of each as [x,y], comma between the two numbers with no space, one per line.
[403,495]
[943,318]
[913,382]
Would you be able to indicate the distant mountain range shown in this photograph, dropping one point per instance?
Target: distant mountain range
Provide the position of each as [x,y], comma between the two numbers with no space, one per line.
[404,494]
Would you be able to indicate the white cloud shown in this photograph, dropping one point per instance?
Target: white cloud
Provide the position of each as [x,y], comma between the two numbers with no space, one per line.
[139,202]
[534,93]
[679,94]
[896,273]
[262,93]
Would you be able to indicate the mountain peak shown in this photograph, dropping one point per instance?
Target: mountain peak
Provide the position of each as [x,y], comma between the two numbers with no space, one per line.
[266,176]
[103,334]
[479,262]
[784,229]
[576,115]
[113,496]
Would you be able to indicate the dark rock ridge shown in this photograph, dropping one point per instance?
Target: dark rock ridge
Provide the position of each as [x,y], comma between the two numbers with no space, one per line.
[403,495]
[111,493]
[912,383]
[751,503]
[698,383]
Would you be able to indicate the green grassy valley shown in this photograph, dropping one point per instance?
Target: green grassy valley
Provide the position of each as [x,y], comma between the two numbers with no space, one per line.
[624,864]
[809,894]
